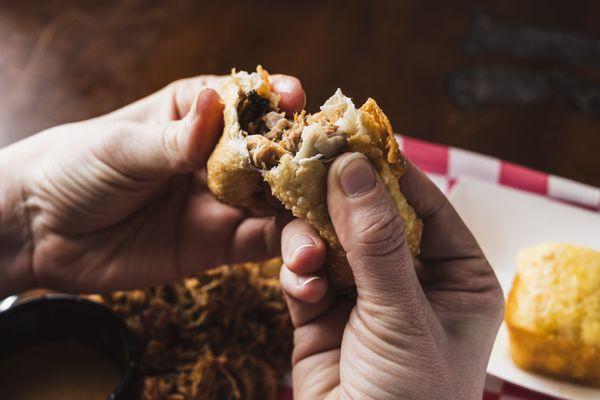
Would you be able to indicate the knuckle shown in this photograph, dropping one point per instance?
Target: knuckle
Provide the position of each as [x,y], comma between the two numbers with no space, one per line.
[481,292]
[379,234]
[172,147]
[487,284]
[495,302]
[385,321]
[194,83]
[177,85]
[174,90]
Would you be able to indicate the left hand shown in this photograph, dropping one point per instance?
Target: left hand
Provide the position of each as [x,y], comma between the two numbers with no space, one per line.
[121,201]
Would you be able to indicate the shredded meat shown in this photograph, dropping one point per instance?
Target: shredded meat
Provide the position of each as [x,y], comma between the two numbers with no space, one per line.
[225,334]
[273,119]
[276,123]
[264,153]
[291,139]
[270,134]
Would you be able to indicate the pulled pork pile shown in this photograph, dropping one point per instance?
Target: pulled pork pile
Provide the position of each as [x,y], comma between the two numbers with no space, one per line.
[223,335]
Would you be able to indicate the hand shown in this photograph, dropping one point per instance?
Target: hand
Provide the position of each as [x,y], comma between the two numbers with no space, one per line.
[419,329]
[121,201]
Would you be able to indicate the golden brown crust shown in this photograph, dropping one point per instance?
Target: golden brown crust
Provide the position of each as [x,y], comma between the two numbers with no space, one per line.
[553,312]
[385,137]
[229,174]
[231,179]
[389,162]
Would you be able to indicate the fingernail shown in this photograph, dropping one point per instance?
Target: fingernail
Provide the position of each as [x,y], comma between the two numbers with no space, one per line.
[284,85]
[304,281]
[356,175]
[299,243]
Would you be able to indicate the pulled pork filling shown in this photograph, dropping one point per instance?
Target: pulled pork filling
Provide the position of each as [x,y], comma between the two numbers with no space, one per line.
[264,153]
[270,135]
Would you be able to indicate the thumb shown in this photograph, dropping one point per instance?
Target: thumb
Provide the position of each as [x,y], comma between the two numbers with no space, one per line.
[148,151]
[371,232]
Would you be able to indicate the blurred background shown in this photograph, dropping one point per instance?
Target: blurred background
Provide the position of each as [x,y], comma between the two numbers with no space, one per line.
[518,80]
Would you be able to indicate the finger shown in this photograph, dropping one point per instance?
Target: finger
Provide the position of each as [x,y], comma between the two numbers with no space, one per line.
[207,124]
[371,232]
[302,248]
[214,233]
[184,91]
[306,289]
[291,94]
[170,103]
[445,235]
[325,330]
[256,239]
[320,321]
[155,150]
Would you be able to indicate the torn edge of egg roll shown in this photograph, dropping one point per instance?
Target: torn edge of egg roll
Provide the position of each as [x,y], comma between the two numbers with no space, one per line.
[259,144]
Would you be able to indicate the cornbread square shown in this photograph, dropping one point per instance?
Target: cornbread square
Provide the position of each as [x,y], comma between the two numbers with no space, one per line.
[553,312]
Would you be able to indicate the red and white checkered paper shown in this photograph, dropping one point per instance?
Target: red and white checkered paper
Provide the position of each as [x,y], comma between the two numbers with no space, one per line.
[445,165]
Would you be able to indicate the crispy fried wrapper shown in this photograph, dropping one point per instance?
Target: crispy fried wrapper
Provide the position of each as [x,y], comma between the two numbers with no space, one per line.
[231,176]
[293,157]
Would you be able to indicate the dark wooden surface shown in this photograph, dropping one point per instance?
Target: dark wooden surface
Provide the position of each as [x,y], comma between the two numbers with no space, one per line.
[69,60]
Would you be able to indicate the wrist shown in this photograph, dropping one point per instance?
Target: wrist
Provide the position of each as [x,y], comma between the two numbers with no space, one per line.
[16,245]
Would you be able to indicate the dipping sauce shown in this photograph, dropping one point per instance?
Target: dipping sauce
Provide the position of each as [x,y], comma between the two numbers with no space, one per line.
[61,370]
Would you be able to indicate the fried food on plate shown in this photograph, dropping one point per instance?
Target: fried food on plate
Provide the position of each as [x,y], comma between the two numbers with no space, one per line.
[259,144]
[553,312]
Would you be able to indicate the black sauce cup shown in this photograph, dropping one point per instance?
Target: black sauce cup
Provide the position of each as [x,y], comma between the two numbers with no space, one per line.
[60,317]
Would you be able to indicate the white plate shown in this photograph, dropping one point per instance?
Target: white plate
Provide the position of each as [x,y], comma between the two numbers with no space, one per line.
[504,221]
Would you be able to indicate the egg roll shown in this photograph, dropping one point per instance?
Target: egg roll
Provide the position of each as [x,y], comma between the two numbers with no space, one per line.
[262,150]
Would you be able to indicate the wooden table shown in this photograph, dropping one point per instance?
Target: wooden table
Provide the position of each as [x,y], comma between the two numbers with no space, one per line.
[69,60]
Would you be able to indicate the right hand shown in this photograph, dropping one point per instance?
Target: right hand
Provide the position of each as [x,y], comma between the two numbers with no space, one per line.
[416,329]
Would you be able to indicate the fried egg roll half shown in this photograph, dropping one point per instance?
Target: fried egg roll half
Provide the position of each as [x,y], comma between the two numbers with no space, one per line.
[292,155]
